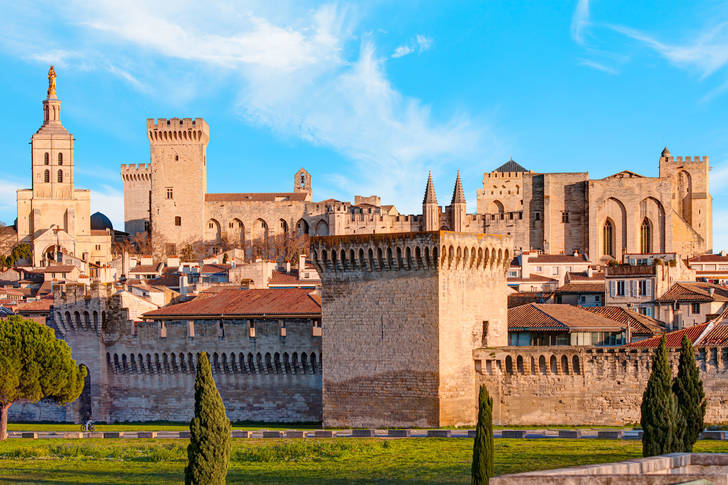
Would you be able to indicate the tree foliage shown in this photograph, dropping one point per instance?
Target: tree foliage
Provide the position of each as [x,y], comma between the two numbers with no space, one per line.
[659,408]
[35,365]
[21,251]
[688,389]
[483,448]
[208,453]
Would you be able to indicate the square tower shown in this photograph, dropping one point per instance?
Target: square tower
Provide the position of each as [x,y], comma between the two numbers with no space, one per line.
[401,315]
[178,162]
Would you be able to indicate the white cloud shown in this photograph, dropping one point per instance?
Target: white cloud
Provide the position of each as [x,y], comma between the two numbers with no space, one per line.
[109,201]
[295,72]
[8,197]
[598,66]
[402,51]
[580,20]
[419,44]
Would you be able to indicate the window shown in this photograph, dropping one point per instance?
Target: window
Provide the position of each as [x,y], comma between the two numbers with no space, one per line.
[46,159]
[162,330]
[564,217]
[98,247]
[539,269]
[60,159]
[646,236]
[170,193]
[537,216]
[47,176]
[60,176]
[555,270]
[608,238]
[177,221]
[620,288]
[643,287]
[695,308]
[251,329]
[176,157]
[191,329]
[211,225]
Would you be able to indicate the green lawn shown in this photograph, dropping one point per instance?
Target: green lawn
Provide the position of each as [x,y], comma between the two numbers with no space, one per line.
[338,461]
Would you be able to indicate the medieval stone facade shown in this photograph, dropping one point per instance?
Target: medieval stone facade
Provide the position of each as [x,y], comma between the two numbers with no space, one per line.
[560,213]
[53,216]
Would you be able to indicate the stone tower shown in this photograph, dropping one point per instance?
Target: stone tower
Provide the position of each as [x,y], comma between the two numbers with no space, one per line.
[691,195]
[302,183]
[178,163]
[458,206]
[137,197]
[402,314]
[430,209]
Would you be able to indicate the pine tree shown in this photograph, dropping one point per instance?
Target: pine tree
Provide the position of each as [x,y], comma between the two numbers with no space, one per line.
[688,389]
[483,448]
[208,453]
[659,407]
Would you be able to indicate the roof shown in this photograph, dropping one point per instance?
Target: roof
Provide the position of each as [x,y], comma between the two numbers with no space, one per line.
[59,268]
[630,270]
[458,195]
[215,268]
[717,336]
[145,268]
[524,297]
[694,292]
[258,197]
[242,303]
[573,276]
[672,339]
[558,258]
[710,258]
[99,222]
[639,324]
[170,281]
[430,196]
[534,278]
[42,305]
[510,166]
[558,317]
[581,288]
[282,278]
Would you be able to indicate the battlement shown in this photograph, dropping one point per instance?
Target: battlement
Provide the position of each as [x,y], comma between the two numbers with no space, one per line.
[443,250]
[687,159]
[505,175]
[176,130]
[71,293]
[134,171]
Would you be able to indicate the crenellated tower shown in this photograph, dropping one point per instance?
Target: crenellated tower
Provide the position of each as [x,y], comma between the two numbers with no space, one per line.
[430,209]
[458,206]
[402,314]
[178,163]
[137,180]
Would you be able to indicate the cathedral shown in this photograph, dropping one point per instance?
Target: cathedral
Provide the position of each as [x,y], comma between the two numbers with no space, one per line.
[54,216]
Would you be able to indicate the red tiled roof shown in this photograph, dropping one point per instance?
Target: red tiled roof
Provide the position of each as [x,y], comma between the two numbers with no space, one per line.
[574,276]
[241,303]
[581,288]
[257,197]
[630,270]
[215,268]
[697,292]
[712,272]
[558,317]
[709,258]
[672,339]
[558,258]
[59,268]
[171,280]
[145,268]
[639,324]
[534,278]
[42,305]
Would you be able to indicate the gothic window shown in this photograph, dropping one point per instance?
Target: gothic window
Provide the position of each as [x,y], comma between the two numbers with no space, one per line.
[60,176]
[646,236]
[608,235]
[564,217]
[60,159]
[170,193]
[46,159]
[177,221]
[303,180]
[47,176]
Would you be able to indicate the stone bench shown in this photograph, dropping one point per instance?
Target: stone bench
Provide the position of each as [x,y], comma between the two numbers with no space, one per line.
[29,435]
[439,433]
[363,433]
[610,434]
[399,433]
[292,433]
[184,434]
[472,433]
[113,434]
[73,434]
[570,433]
[147,434]
[513,433]
[712,435]
[323,433]
[238,433]
[272,434]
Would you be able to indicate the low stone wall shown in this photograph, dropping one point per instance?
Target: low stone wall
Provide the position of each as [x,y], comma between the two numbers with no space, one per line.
[584,386]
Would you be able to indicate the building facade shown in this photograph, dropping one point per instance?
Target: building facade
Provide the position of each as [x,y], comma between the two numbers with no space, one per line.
[54,216]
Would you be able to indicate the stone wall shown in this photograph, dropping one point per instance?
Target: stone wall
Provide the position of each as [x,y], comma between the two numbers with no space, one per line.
[584,386]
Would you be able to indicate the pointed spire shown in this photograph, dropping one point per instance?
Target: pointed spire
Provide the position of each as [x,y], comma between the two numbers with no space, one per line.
[430,197]
[665,152]
[458,196]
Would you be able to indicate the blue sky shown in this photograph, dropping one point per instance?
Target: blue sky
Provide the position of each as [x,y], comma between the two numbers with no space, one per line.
[370,96]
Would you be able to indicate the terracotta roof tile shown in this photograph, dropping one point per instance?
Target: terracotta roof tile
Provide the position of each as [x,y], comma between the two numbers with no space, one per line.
[716,336]
[558,258]
[672,339]
[639,324]
[558,317]
[215,268]
[59,268]
[240,303]
[42,305]
[694,292]
[709,258]
[581,288]
[145,268]
[630,270]
[525,297]
[582,276]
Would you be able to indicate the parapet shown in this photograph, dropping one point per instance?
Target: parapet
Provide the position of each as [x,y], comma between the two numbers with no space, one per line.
[178,131]
[406,251]
[133,171]
[687,159]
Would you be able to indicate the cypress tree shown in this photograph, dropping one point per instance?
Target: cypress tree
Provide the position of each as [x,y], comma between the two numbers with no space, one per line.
[688,389]
[659,407]
[483,448]
[208,453]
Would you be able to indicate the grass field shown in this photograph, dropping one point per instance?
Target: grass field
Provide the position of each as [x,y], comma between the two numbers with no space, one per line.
[338,461]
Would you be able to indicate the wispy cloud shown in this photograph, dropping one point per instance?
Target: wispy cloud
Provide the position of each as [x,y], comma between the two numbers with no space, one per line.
[419,44]
[8,197]
[110,201]
[598,66]
[580,20]
[302,73]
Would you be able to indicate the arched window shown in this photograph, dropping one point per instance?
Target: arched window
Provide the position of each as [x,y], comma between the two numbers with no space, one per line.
[60,176]
[46,159]
[60,159]
[608,234]
[646,236]
[47,176]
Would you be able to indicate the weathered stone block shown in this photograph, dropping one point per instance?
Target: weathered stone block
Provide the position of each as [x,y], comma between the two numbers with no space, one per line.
[113,434]
[610,434]
[184,434]
[471,433]
[570,433]
[73,435]
[399,433]
[363,433]
[29,435]
[712,435]
[273,434]
[323,433]
[147,434]
[513,433]
[439,433]
[291,433]
[238,433]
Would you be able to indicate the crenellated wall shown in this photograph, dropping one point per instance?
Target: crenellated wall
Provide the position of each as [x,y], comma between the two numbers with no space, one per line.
[584,386]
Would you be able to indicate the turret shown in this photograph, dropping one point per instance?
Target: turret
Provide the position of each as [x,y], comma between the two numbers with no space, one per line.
[430,209]
[458,206]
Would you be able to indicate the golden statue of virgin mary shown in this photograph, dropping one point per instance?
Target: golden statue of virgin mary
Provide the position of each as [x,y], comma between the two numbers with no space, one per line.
[51,82]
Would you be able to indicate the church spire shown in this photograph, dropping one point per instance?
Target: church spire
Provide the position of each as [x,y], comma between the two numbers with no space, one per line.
[51,105]
[458,196]
[430,197]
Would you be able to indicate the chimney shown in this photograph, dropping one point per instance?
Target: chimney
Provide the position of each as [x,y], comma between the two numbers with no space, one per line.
[711,291]
[301,264]
[576,252]
[288,267]
[589,272]
[125,264]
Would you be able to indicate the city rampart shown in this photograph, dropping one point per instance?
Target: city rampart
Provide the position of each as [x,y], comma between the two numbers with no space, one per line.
[401,314]
[585,386]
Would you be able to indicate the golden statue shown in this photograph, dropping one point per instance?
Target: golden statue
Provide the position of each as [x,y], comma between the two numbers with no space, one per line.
[51,82]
